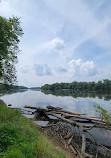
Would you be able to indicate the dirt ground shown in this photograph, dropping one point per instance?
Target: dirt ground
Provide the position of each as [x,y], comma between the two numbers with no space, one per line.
[57,144]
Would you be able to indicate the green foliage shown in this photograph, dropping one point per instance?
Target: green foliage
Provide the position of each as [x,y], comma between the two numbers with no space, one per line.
[10,30]
[7,136]
[15,153]
[98,87]
[5,88]
[104,114]
[46,149]
[19,138]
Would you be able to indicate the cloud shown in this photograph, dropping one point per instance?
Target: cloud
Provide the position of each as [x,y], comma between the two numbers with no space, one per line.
[42,70]
[56,44]
[84,21]
[77,69]
[56,32]
[80,68]
[62,70]
[24,70]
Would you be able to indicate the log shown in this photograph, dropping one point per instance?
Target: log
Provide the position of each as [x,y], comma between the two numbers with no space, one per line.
[78,116]
[70,139]
[63,115]
[72,112]
[62,112]
[27,110]
[73,150]
[50,125]
[86,118]
[67,120]
[83,149]
[67,115]
[54,108]
[40,109]
[49,109]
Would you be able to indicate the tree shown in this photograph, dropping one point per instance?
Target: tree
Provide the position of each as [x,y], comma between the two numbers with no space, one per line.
[10,31]
[104,114]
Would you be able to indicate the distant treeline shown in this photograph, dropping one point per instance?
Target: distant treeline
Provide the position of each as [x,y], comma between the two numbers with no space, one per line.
[11,87]
[6,87]
[100,86]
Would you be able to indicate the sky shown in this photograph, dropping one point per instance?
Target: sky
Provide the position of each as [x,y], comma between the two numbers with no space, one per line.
[63,41]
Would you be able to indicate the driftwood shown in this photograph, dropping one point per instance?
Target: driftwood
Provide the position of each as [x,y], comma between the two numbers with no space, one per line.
[65,116]
[54,110]
[63,112]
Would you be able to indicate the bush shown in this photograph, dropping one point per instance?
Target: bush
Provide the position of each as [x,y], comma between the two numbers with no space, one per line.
[7,136]
[18,135]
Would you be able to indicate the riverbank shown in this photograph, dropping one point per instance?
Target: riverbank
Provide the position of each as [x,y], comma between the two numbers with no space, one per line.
[20,138]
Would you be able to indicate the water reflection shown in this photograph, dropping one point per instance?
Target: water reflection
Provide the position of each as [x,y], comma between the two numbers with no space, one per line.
[83,94]
[2,93]
[75,104]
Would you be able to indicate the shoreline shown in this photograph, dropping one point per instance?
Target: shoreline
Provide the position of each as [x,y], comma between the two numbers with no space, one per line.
[20,138]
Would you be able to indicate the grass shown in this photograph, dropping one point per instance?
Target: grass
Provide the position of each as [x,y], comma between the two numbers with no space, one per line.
[47,149]
[19,138]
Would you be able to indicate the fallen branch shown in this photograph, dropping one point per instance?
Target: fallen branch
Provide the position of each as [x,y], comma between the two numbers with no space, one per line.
[83,149]
[63,112]
[64,116]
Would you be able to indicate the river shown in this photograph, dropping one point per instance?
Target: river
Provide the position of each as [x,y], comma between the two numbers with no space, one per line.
[40,99]
[74,104]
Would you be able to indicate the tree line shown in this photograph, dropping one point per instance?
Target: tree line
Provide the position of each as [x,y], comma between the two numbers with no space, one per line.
[100,86]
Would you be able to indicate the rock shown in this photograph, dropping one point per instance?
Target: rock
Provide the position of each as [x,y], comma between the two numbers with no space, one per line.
[9,105]
[2,102]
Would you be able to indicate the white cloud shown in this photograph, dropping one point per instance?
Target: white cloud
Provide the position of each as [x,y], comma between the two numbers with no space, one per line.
[56,43]
[55,32]
[80,68]
[62,70]
[24,70]
[84,21]
[42,70]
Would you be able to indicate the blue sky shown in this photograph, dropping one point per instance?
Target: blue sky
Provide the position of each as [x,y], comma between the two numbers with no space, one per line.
[64,40]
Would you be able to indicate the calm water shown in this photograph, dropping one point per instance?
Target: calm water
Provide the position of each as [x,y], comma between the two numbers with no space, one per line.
[79,104]
[39,99]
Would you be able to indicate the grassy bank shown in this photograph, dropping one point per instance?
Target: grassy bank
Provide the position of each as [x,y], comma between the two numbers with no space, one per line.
[19,138]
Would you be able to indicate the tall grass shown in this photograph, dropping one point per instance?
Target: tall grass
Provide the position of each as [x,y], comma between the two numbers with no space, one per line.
[46,148]
[19,138]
